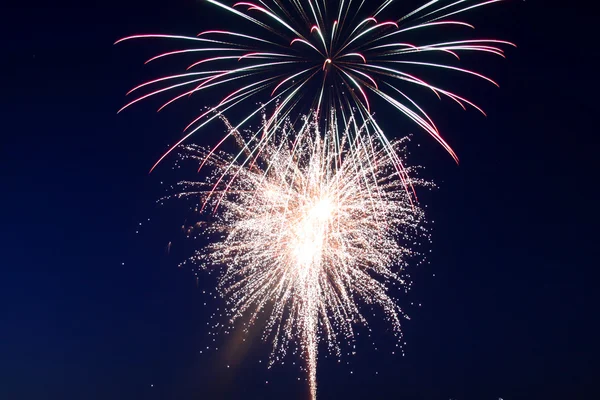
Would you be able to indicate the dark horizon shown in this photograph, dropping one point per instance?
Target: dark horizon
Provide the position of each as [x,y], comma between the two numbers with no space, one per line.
[94,310]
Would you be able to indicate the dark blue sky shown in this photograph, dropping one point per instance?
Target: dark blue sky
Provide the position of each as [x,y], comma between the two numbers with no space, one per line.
[511,311]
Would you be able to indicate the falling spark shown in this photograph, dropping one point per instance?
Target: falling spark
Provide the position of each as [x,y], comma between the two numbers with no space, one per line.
[309,233]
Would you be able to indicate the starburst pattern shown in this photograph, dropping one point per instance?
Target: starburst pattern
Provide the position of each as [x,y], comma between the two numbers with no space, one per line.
[308,233]
[312,56]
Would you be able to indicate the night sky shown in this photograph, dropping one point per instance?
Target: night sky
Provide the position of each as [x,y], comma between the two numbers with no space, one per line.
[90,309]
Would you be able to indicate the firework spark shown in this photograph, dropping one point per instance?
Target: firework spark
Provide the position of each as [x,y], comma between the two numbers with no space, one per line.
[315,56]
[307,234]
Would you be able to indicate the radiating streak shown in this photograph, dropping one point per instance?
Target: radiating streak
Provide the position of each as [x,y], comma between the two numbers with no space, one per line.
[197,89]
[418,10]
[171,53]
[425,25]
[306,42]
[466,71]
[354,55]
[316,29]
[159,91]
[212,59]
[466,9]
[171,77]
[161,36]
[443,8]
[237,34]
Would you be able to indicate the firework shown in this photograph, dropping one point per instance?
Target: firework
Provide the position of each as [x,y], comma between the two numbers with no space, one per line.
[308,233]
[311,56]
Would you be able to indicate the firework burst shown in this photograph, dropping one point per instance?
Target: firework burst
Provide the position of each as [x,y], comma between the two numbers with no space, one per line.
[311,55]
[308,233]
